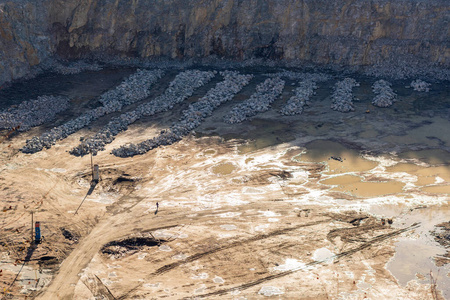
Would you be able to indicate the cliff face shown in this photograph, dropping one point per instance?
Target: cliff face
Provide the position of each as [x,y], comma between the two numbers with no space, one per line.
[24,40]
[346,32]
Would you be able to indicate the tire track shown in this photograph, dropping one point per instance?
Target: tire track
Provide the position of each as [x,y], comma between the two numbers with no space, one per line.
[166,268]
[366,245]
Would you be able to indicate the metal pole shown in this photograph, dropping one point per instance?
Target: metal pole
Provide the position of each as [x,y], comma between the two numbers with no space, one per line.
[32,224]
[92,166]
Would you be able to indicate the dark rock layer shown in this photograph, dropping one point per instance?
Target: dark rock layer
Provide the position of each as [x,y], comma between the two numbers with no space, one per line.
[343,32]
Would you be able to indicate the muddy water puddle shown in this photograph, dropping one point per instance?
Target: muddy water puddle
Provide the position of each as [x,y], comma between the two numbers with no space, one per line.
[265,133]
[223,168]
[339,159]
[356,186]
[415,251]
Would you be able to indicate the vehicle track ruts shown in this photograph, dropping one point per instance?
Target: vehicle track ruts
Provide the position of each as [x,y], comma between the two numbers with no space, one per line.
[169,267]
[365,245]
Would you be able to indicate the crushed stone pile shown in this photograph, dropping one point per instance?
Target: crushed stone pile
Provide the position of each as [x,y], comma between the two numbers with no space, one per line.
[193,116]
[420,85]
[259,102]
[295,104]
[385,96]
[181,88]
[33,113]
[133,89]
[342,97]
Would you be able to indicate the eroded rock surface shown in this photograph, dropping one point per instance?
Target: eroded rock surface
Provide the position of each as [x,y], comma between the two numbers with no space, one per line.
[342,32]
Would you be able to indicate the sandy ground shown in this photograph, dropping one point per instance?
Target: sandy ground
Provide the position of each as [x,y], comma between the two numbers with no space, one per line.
[246,211]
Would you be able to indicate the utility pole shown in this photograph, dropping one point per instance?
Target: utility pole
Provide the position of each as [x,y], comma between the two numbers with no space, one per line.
[92,165]
[32,226]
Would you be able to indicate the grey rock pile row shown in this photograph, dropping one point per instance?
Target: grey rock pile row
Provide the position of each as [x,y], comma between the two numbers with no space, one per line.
[181,88]
[135,88]
[193,116]
[318,77]
[260,101]
[114,101]
[420,85]
[385,96]
[295,104]
[74,67]
[33,113]
[343,96]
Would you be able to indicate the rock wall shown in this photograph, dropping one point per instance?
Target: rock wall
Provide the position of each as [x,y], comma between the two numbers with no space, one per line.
[345,32]
[24,38]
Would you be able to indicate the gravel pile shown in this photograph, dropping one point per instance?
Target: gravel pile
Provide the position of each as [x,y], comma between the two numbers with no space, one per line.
[33,113]
[260,101]
[74,67]
[193,116]
[343,96]
[295,104]
[420,85]
[318,77]
[385,96]
[112,100]
[181,88]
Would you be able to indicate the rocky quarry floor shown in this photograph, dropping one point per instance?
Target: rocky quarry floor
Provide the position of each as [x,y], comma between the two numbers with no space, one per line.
[241,184]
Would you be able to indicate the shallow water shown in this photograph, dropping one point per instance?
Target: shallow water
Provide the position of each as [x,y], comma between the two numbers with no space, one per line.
[223,168]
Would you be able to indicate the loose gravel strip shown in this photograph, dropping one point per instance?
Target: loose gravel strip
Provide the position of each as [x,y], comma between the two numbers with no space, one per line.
[318,77]
[385,96]
[260,101]
[181,88]
[33,113]
[133,89]
[295,104]
[343,96]
[193,116]
[421,86]
[74,67]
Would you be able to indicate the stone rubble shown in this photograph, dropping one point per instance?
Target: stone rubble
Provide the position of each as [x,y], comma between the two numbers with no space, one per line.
[74,67]
[133,89]
[181,88]
[342,96]
[420,85]
[385,96]
[294,105]
[318,77]
[259,102]
[193,116]
[33,113]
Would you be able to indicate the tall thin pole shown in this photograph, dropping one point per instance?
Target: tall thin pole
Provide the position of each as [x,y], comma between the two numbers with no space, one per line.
[92,166]
[31,241]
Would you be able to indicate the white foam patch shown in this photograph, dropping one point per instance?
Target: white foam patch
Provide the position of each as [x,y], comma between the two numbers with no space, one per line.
[269,213]
[142,255]
[228,227]
[57,170]
[151,285]
[262,227]
[180,256]
[290,264]
[439,180]
[104,198]
[201,289]
[229,214]
[269,291]
[252,190]
[323,254]
[165,248]
[218,279]
[273,220]
[200,276]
